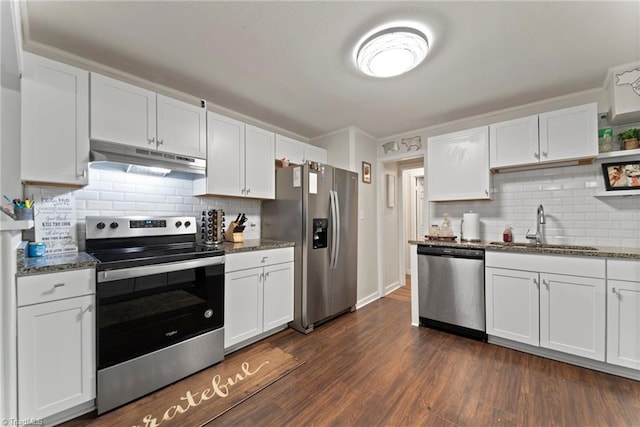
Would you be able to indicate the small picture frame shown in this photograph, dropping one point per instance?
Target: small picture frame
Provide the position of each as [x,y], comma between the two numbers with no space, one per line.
[621,175]
[366,172]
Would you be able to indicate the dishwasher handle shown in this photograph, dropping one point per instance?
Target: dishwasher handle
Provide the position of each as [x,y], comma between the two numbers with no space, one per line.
[449,252]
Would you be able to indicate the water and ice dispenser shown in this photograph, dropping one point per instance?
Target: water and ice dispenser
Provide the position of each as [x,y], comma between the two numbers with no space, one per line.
[320,228]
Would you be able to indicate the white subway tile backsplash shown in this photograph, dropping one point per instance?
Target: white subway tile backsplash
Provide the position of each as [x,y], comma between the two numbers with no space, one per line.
[568,196]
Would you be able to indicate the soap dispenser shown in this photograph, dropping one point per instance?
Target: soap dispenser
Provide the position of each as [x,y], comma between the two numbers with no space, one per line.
[507,234]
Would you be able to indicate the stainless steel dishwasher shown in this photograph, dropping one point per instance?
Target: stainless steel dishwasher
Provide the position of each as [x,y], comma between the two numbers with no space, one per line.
[451,290]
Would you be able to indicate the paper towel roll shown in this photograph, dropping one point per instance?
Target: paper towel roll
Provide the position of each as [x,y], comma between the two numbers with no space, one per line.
[470,227]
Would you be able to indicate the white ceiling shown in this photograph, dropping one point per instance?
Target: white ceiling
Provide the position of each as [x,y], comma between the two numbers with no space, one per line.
[290,63]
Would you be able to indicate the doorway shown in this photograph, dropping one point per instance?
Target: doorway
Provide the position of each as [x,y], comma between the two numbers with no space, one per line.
[413,217]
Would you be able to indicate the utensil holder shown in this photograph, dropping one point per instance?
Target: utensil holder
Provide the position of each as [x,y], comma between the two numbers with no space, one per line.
[23,214]
[233,236]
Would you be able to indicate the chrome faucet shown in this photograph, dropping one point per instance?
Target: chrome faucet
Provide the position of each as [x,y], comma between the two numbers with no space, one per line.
[540,220]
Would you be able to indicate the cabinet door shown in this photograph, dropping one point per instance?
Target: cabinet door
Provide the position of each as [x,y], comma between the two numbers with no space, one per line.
[290,149]
[182,127]
[458,165]
[243,295]
[56,342]
[514,142]
[570,133]
[572,315]
[623,323]
[314,154]
[55,122]
[260,173]
[225,156]
[122,113]
[278,295]
[512,305]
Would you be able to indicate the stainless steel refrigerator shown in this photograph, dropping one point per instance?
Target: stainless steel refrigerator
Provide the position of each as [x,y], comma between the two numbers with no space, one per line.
[317,208]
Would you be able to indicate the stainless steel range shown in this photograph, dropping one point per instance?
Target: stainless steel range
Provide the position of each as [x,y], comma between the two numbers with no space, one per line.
[160,304]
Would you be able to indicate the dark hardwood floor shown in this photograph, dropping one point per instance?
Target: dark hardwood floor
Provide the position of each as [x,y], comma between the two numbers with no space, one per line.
[372,368]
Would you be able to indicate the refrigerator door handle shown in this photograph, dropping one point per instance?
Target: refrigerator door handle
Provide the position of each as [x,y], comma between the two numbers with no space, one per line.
[337,251]
[334,229]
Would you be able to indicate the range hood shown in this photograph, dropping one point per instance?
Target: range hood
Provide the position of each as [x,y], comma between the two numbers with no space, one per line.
[101,151]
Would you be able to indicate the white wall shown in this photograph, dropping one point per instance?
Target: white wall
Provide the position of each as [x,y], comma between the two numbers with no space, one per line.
[390,236]
[117,193]
[339,148]
[365,151]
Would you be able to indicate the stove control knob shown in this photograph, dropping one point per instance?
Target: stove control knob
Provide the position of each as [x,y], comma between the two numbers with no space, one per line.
[187,224]
[113,225]
[179,223]
[100,225]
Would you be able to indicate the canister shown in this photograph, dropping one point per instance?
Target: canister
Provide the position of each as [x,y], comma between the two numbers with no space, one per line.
[470,227]
[37,249]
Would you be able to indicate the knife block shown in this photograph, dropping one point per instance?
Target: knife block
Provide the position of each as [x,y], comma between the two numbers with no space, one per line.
[231,236]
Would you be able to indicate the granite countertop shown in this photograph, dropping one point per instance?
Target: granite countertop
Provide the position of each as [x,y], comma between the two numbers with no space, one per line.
[527,248]
[51,263]
[254,245]
[77,260]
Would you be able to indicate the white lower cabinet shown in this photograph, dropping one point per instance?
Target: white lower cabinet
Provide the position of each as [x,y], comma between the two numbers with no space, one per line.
[512,305]
[56,342]
[548,301]
[573,315]
[623,313]
[258,294]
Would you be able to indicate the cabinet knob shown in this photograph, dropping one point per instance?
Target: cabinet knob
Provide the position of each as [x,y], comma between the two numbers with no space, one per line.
[151,140]
[160,141]
[544,154]
[536,155]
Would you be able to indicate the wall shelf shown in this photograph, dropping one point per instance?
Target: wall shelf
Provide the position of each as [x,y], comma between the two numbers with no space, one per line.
[618,154]
[618,193]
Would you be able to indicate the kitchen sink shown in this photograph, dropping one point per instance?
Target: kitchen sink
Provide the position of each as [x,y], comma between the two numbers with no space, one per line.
[544,246]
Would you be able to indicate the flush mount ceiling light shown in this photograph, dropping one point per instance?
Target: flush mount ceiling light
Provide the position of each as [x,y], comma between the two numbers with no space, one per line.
[392,51]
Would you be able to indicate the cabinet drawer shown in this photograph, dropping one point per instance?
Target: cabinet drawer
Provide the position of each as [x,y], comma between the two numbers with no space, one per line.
[571,265]
[619,269]
[54,286]
[252,259]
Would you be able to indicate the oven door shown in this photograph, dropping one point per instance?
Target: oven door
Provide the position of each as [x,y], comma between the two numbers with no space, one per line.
[146,308]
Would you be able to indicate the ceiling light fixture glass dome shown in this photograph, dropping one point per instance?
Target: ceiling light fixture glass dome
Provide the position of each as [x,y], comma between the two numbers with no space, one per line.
[392,51]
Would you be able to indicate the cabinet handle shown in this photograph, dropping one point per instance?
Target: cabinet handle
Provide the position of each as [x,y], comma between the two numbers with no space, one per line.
[486,192]
[151,140]
[264,259]
[160,141]
[88,309]
[83,174]
[536,155]
[266,275]
[243,191]
[544,154]
[261,277]
[613,290]
[58,285]
[545,283]
[248,189]
[535,281]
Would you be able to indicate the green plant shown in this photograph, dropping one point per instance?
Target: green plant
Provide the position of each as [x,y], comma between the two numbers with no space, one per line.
[630,134]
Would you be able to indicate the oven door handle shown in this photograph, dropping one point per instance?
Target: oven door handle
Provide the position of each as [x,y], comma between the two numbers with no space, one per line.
[147,270]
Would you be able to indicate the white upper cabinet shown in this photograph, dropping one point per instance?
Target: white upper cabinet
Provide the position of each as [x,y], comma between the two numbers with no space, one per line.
[290,149]
[299,152]
[314,154]
[560,135]
[458,165]
[122,113]
[55,122]
[182,127]
[259,169]
[514,142]
[131,115]
[568,134]
[239,160]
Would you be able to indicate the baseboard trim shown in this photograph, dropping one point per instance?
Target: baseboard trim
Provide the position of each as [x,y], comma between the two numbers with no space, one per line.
[392,287]
[567,358]
[367,300]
